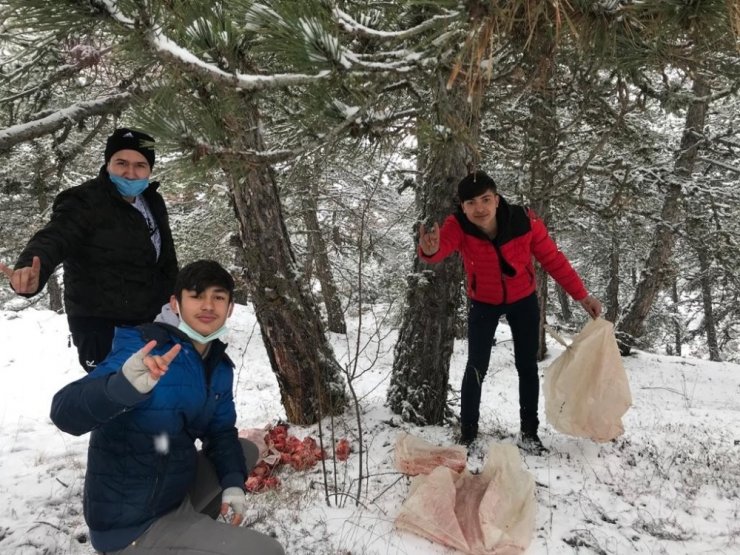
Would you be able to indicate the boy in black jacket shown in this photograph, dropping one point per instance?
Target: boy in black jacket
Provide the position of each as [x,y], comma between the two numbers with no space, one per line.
[112,235]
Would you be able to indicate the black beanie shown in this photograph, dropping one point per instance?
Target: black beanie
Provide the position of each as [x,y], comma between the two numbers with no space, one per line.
[128,139]
[475,184]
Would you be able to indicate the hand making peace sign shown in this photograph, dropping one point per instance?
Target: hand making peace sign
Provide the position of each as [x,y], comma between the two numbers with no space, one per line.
[144,370]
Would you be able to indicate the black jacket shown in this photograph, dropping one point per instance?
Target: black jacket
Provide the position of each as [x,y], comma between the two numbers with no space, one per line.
[111,268]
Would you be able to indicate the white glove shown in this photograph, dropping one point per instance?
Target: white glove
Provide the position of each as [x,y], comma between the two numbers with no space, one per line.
[235,499]
[143,370]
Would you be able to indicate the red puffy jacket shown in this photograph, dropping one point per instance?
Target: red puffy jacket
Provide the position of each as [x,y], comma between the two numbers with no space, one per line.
[500,270]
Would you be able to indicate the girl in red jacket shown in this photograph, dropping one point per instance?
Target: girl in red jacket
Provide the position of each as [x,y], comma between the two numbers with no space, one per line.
[497,241]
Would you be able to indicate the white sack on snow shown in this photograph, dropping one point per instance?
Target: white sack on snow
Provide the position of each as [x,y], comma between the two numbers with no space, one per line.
[491,513]
[415,456]
[586,388]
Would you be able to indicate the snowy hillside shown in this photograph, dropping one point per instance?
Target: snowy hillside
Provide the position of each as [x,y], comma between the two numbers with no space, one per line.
[671,484]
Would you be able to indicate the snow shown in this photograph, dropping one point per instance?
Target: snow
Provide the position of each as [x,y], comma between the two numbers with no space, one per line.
[352,26]
[240,80]
[671,484]
[169,48]
[35,128]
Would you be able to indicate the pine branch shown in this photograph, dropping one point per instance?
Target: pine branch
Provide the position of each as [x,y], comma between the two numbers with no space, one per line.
[354,27]
[75,113]
[169,51]
[720,164]
[62,73]
[276,156]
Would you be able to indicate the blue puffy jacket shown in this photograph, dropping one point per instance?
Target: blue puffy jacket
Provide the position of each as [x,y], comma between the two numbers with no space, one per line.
[142,460]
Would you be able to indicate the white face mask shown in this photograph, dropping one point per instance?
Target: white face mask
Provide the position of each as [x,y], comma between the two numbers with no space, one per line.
[198,337]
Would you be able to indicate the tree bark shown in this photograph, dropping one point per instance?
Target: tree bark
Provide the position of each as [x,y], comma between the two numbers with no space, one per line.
[421,365]
[677,328]
[710,326]
[564,300]
[55,121]
[541,148]
[307,373]
[318,252]
[656,272]
[42,192]
[612,288]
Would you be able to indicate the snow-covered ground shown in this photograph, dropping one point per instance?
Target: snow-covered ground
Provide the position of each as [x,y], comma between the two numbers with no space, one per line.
[670,485]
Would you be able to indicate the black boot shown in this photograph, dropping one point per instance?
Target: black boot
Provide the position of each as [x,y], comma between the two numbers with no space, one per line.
[529,442]
[468,433]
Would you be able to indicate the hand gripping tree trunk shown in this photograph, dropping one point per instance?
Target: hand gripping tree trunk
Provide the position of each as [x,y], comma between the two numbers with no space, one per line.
[307,372]
[421,365]
[656,273]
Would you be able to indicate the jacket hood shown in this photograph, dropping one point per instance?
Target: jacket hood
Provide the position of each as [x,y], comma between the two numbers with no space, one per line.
[167,316]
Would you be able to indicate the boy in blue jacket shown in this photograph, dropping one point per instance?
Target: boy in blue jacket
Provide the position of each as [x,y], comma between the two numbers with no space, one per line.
[147,488]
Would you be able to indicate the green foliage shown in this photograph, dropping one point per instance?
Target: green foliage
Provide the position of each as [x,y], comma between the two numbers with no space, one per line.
[620,88]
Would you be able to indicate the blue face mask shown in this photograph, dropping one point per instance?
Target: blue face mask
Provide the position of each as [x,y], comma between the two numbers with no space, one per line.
[129,187]
[198,337]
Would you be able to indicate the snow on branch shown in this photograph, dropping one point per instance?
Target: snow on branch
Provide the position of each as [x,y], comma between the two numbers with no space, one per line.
[720,164]
[111,6]
[349,24]
[167,49]
[75,113]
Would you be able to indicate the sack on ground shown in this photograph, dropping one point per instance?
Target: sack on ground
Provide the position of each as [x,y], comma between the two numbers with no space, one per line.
[586,388]
[415,456]
[481,514]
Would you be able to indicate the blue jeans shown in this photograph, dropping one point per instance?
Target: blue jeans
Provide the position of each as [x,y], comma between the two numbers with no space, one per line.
[523,317]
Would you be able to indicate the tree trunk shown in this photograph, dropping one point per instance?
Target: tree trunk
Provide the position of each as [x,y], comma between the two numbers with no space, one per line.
[612,288]
[564,300]
[542,296]
[421,365]
[654,275]
[699,236]
[55,294]
[541,148]
[677,329]
[710,326]
[318,252]
[43,193]
[308,375]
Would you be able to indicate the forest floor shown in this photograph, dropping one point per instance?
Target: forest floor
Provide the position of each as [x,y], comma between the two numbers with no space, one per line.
[670,484]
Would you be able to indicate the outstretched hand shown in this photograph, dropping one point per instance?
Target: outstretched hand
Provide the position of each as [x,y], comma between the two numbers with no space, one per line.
[24,281]
[144,370]
[591,305]
[429,240]
[234,501]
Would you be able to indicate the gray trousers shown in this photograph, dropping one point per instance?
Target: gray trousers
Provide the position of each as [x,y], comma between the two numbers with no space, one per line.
[188,531]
